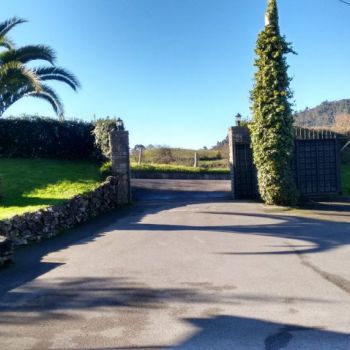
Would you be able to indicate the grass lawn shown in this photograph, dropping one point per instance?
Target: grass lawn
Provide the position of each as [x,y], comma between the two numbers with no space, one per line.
[30,184]
[346,179]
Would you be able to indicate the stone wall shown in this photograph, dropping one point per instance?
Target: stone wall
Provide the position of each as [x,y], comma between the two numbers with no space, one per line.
[5,250]
[48,222]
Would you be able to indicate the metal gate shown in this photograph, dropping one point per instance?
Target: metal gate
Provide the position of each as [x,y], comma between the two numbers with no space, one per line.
[316,166]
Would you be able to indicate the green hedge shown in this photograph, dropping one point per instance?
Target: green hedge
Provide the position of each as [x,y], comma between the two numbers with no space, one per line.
[38,137]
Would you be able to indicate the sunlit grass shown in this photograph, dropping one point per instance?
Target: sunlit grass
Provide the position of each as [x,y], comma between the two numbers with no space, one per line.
[30,184]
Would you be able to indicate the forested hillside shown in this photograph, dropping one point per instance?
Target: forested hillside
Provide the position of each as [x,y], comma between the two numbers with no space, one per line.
[326,114]
[334,115]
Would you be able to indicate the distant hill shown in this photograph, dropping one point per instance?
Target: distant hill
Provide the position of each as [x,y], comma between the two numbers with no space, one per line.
[335,114]
[323,115]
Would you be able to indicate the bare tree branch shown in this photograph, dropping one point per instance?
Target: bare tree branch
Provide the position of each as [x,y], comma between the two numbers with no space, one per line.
[345,2]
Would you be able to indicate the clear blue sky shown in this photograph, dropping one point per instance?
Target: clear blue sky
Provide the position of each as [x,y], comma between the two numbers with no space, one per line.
[178,70]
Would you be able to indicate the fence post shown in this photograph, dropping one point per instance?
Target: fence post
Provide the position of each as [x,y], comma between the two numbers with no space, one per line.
[195,164]
[119,141]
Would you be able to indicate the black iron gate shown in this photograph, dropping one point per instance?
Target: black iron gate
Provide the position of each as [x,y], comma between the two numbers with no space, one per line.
[316,166]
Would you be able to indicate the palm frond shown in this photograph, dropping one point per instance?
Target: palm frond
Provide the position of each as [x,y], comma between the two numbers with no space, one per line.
[50,96]
[7,25]
[29,53]
[59,74]
[13,75]
[6,43]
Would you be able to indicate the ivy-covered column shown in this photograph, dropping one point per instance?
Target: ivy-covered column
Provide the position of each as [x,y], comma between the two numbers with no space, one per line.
[272,125]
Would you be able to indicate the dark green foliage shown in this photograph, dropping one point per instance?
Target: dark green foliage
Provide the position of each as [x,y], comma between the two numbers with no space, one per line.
[322,115]
[102,129]
[272,125]
[34,137]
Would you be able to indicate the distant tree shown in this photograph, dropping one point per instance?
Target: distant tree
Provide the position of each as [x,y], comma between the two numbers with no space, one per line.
[272,125]
[136,147]
[342,123]
[140,149]
[164,156]
[18,80]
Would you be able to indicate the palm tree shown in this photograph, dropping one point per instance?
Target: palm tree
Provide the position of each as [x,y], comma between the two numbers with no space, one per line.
[17,80]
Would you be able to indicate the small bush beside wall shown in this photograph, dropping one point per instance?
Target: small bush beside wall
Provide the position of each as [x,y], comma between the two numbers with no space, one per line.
[101,132]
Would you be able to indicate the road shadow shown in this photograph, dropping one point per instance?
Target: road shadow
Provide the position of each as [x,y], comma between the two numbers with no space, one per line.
[60,300]
[51,299]
[224,332]
[27,260]
[319,235]
[230,332]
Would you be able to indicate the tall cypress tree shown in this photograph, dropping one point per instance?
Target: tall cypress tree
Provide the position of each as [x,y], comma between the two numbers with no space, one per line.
[272,126]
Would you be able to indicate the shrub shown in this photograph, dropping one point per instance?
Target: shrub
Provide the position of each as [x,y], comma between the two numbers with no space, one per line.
[164,156]
[101,132]
[38,137]
[106,169]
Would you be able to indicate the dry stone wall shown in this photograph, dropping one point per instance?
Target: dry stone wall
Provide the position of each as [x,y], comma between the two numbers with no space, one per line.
[48,222]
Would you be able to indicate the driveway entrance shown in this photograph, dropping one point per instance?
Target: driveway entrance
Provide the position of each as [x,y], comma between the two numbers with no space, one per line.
[173,273]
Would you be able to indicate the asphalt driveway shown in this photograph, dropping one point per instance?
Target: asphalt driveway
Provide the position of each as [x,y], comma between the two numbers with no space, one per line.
[185,268]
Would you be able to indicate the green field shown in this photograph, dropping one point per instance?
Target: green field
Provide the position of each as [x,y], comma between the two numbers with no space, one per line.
[346,179]
[183,157]
[30,184]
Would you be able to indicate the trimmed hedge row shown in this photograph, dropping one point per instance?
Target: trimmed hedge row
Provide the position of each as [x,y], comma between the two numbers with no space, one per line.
[38,137]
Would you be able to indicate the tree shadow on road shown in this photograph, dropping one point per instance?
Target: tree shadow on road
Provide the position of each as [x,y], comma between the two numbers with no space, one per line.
[63,301]
[319,235]
[223,332]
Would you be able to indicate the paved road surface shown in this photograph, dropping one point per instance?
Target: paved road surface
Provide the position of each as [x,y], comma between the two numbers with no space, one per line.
[180,270]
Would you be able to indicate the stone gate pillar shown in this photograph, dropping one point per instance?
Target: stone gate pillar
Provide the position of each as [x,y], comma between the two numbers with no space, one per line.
[119,141]
[231,159]
[243,171]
